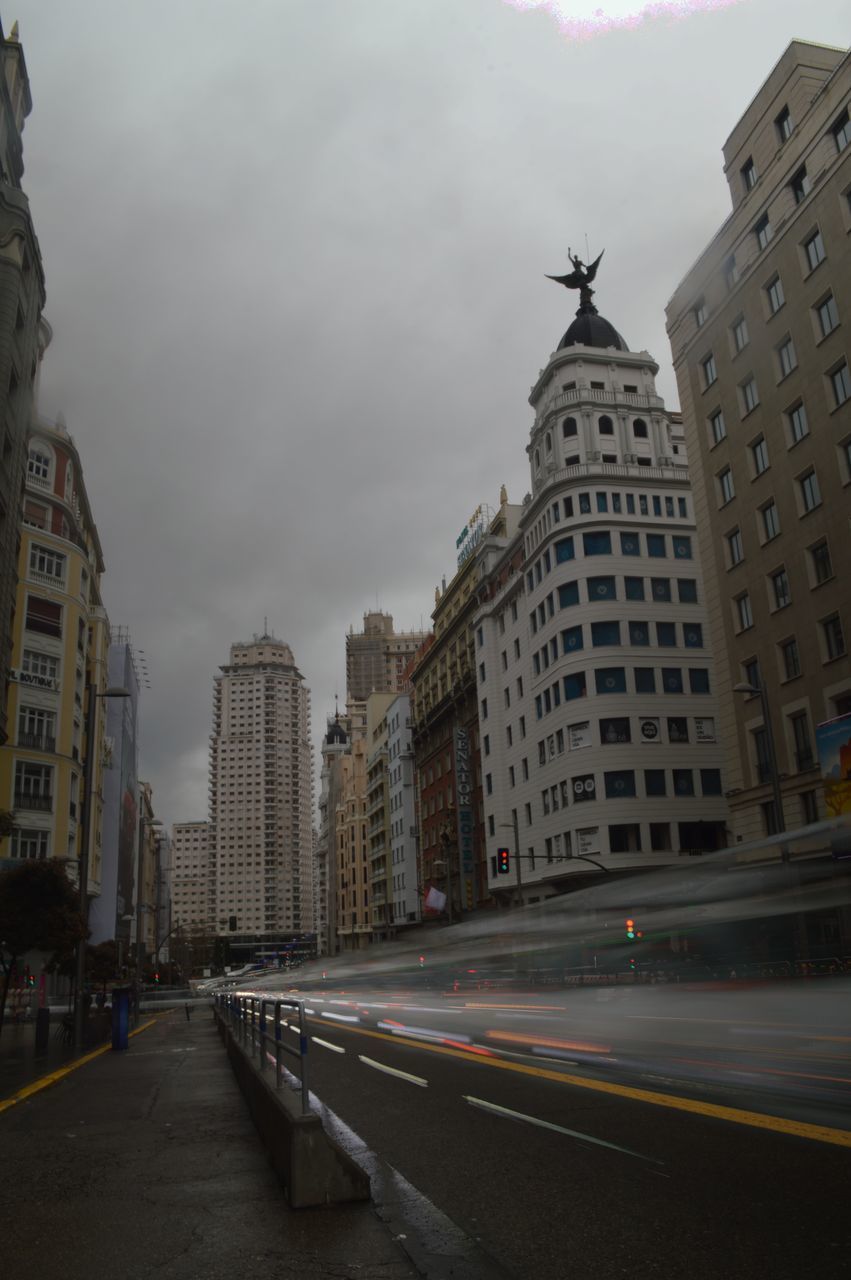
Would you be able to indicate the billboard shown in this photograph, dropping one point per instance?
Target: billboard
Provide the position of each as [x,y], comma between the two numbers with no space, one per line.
[833,742]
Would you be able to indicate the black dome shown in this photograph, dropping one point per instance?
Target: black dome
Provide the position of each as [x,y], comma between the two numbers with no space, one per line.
[590,329]
[335,733]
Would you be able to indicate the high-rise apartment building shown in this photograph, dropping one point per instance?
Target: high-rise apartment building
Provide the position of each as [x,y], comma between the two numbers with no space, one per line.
[597,720]
[23,334]
[759,333]
[376,658]
[192,880]
[261,799]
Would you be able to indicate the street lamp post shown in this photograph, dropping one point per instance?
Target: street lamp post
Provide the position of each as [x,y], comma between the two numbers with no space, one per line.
[759,689]
[84,837]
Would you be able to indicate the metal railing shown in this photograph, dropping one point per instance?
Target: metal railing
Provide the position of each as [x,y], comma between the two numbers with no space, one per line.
[249,1020]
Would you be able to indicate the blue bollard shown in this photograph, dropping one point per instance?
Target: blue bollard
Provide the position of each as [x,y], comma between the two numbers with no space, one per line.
[120,1017]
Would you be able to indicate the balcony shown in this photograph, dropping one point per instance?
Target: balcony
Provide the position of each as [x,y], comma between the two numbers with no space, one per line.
[36,742]
[25,800]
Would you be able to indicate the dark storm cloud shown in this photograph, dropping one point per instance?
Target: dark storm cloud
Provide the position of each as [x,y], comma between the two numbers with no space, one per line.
[295,257]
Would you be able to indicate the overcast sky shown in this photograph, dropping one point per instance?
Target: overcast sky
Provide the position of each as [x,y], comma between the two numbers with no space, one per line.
[295,256]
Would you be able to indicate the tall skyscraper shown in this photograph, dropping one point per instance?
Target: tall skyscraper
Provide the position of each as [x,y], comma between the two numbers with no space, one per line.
[23,334]
[261,800]
[376,657]
[759,333]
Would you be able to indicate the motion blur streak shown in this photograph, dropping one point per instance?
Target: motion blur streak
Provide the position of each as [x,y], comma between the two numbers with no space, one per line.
[548,1042]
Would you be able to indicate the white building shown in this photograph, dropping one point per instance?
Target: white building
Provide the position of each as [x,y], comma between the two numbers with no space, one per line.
[402,814]
[192,881]
[596,703]
[261,800]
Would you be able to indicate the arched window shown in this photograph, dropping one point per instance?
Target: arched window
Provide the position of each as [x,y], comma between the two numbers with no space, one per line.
[639,429]
[549,442]
[537,459]
[569,428]
[607,427]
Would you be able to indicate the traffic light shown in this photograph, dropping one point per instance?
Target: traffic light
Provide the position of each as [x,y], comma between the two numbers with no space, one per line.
[630,929]
[632,964]
[502,862]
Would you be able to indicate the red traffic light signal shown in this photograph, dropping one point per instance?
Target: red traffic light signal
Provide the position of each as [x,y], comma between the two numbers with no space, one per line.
[503,862]
[630,928]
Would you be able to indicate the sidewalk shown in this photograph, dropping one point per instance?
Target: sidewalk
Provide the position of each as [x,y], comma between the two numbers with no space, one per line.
[146,1163]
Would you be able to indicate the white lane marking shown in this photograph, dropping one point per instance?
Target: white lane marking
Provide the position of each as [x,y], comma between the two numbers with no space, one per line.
[306,1010]
[341,1017]
[424,1008]
[392,1071]
[327,1045]
[557,1128]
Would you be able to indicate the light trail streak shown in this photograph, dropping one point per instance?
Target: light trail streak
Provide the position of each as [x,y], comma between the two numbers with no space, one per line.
[394,1071]
[556,1128]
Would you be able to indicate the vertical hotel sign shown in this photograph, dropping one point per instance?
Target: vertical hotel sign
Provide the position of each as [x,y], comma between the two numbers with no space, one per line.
[464,793]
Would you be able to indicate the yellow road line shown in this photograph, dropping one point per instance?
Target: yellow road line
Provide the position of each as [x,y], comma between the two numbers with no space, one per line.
[44,1082]
[695,1106]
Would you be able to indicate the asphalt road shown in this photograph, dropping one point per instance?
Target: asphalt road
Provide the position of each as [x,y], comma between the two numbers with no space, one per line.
[578,1139]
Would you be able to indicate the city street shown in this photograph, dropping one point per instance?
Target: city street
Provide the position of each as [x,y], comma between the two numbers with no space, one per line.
[575,1166]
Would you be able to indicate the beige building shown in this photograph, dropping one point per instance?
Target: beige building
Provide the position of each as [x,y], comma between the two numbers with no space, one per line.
[376,657]
[192,884]
[378,817]
[759,329]
[261,800]
[352,908]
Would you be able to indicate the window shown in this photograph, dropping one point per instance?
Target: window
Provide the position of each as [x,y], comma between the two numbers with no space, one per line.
[799,725]
[749,174]
[774,290]
[810,493]
[568,428]
[770,520]
[639,633]
[750,395]
[33,786]
[38,465]
[786,357]
[687,590]
[783,125]
[601,589]
[605,633]
[29,844]
[645,680]
[790,658]
[606,426]
[574,686]
[47,564]
[614,731]
[660,588]
[597,544]
[39,664]
[634,588]
[763,232]
[630,545]
[743,609]
[639,429]
[693,635]
[568,594]
[710,373]
[759,455]
[677,729]
[571,639]
[43,616]
[822,569]
[814,249]
[840,381]
[619,783]
[656,545]
[731,273]
[654,782]
[834,640]
[672,680]
[602,502]
[801,185]
[698,680]
[564,550]
[734,547]
[780,589]
[841,131]
[726,486]
[666,635]
[717,426]
[683,780]
[610,680]
[701,314]
[739,332]
[828,315]
[796,418]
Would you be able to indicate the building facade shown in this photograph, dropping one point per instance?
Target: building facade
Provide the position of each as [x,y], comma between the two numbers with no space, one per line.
[334,746]
[403,888]
[23,336]
[192,879]
[59,663]
[595,685]
[759,334]
[377,657]
[261,800]
[353,915]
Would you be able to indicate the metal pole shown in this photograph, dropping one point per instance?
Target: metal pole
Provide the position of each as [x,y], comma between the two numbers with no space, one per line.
[772,760]
[139,946]
[517,858]
[83,835]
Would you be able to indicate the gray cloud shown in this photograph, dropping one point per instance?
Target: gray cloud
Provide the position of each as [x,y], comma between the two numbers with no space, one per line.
[295,258]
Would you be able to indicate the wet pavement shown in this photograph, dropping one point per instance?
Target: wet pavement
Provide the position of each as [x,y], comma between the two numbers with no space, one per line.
[146,1163]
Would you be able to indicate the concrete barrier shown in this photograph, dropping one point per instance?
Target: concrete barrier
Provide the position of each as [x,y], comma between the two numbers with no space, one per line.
[312,1167]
